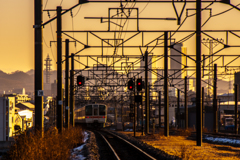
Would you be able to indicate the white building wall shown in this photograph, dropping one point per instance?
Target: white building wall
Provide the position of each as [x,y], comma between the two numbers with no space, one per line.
[11,120]
[7,117]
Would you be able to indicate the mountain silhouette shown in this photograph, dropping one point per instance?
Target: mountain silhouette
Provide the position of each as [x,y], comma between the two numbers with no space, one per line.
[19,79]
[16,80]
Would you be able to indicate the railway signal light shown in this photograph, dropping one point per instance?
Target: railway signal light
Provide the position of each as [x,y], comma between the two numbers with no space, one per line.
[80,80]
[130,84]
[139,84]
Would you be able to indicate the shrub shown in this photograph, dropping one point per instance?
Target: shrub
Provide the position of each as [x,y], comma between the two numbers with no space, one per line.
[184,132]
[53,145]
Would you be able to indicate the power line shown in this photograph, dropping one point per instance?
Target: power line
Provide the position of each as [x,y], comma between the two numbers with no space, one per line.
[49,47]
[144,7]
[180,27]
[61,3]
[224,11]
[77,11]
[45,4]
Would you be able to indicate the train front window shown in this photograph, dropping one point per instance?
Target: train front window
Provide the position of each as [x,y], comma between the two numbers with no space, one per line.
[88,110]
[95,107]
[102,109]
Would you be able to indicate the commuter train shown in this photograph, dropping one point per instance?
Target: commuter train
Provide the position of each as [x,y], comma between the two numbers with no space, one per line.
[91,115]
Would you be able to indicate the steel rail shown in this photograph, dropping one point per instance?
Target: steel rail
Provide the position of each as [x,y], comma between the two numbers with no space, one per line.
[133,146]
[110,146]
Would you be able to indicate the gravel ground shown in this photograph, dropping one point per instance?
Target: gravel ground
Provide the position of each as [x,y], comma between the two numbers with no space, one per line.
[90,150]
[91,147]
[149,149]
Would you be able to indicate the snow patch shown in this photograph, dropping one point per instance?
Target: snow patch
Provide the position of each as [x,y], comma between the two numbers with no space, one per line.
[77,152]
[223,140]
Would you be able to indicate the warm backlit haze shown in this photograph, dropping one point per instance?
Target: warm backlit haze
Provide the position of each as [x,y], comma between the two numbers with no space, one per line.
[17,33]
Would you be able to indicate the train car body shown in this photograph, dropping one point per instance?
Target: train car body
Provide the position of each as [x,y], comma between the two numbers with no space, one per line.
[91,115]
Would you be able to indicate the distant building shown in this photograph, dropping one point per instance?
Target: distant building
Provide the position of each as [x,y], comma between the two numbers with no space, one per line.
[26,105]
[176,57]
[27,112]
[19,94]
[226,97]
[7,114]
[54,89]
[47,89]
[19,91]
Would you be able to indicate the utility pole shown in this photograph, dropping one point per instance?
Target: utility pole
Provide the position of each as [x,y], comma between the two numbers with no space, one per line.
[236,108]
[198,74]
[203,108]
[142,113]
[146,93]
[178,108]
[115,112]
[38,66]
[134,110]
[72,99]
[67,115]
[166,98]
[186,103]
[159,108]
[215,107]
[122,112]
[59,71]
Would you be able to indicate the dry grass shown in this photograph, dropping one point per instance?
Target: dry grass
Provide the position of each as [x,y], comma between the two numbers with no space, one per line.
[187,149]
[54,146]
[183,132]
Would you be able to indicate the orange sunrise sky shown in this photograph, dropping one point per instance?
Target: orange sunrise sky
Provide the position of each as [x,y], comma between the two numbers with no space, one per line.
[17,33]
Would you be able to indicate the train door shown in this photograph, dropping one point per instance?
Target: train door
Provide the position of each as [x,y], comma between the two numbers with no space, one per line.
[95,110]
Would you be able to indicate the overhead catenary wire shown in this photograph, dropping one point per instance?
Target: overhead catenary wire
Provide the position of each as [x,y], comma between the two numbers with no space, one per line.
[144,7]
[45,4]
[61,2]
[180,27]
[224,11]
[77,11]
[121,28]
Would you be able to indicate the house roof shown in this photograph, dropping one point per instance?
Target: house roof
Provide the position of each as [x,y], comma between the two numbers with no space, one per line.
[25,105]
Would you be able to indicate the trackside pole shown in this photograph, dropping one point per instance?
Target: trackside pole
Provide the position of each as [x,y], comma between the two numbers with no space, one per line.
[166,98]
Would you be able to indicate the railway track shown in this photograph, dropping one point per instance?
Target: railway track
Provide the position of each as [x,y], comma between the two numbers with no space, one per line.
[111,146]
